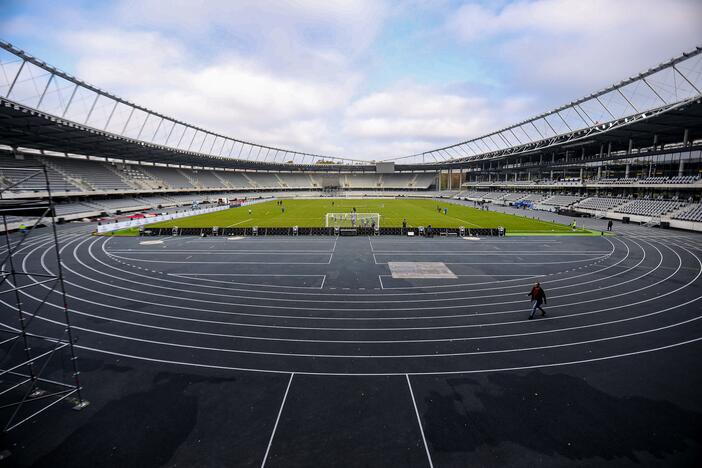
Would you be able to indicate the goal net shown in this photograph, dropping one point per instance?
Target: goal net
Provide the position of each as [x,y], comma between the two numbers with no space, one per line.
[352,220]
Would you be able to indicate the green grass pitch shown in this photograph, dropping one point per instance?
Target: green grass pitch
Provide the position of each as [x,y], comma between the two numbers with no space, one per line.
[311,213]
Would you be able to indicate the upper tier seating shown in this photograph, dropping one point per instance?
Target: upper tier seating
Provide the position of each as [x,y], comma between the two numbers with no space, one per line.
[360,181]
[11,173]
[171,177]
[205,179]
[683,180]
[423,181]
[235,179]
[296,180]
[654,180]
[261,180]
[95,174]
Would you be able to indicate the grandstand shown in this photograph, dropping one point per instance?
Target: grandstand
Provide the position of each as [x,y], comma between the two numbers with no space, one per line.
[395,306]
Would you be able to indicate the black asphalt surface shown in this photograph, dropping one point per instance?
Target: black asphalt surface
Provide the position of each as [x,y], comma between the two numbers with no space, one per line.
[305,351]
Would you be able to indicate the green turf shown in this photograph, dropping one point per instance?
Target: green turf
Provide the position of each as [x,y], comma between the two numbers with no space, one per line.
[311,213]
[127,232]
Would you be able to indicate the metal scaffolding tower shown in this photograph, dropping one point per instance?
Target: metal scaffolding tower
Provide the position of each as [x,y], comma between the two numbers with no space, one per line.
[38,367]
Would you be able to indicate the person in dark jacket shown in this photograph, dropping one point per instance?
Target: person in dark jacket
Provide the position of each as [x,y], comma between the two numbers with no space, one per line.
[609,225]
[538,296]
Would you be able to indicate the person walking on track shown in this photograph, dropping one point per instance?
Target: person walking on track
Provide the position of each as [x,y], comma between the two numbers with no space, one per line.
[538,296]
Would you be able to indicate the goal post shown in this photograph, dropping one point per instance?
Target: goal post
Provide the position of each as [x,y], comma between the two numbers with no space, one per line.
[352,219]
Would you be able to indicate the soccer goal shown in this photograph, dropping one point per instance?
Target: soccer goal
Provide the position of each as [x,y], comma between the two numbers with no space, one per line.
[352,220]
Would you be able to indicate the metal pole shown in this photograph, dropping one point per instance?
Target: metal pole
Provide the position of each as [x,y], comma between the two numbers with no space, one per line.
[90,112]
[19,71]
[46,88]
[107,124]
[62,289]
[142,126]
[70,100]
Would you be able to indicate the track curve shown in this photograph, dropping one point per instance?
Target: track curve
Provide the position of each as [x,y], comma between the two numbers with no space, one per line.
[279,306]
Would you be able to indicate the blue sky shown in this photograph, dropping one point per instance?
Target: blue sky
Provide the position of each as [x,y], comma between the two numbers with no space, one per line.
[364,78]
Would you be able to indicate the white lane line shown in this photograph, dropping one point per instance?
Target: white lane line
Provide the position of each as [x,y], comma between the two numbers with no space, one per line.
[419,421]
[367,374]
[277,419]
[240,222]
[350,318]
[500,252]
[220,252]
[236,274]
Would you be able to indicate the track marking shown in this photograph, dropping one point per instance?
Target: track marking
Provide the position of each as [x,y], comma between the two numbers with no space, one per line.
[419,421]
[277,419]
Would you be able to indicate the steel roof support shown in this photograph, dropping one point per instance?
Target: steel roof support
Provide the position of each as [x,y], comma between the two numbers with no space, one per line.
[654,91]
[70,100]
[112,112]
[619,90]
[92,107]
[605,108]
[688,81]
[46,88]
[14,80]
[158,127]
[124,128]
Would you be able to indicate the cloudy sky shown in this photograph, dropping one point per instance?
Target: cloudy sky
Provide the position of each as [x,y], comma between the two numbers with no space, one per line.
[362,78]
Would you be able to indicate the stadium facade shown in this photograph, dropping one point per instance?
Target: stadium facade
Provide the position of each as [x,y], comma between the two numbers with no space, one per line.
[631,151]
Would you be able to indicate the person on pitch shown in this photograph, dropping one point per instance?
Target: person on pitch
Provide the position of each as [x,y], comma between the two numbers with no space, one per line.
[538,296]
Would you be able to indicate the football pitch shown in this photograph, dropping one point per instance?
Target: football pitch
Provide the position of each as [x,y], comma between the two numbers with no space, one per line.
[313,213]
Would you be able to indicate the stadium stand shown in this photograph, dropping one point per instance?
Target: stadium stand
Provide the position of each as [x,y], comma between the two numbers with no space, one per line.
[691,213]
[234,180]
[169,177]
[10,173]
[97,175]
[601,204]
[561,200]
[649,207]
[515,196]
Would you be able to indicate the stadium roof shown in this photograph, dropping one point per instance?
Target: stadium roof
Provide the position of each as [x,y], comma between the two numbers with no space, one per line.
[44,108]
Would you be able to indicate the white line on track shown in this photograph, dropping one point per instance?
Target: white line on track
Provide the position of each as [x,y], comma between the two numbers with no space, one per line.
[630,305]
[419,421]
[277,419]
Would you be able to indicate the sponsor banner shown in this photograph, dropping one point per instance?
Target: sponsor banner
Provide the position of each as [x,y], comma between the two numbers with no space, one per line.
[155,219]
[167,217]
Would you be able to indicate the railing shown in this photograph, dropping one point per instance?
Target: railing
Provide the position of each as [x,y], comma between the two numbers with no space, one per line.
[32,83]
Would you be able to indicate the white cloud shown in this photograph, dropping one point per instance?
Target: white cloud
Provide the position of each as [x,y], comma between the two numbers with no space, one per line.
[418,118]
[295,73]
[576,45]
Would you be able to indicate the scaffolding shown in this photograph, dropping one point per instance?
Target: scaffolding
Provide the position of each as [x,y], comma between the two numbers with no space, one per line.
[38,363]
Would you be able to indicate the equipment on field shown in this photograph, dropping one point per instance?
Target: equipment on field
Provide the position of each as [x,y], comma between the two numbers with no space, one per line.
[371,220]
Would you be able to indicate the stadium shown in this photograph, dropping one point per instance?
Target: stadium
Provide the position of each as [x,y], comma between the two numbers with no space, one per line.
[176,296]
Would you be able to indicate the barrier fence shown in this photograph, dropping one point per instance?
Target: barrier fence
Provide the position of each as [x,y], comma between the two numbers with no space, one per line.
[322,231]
